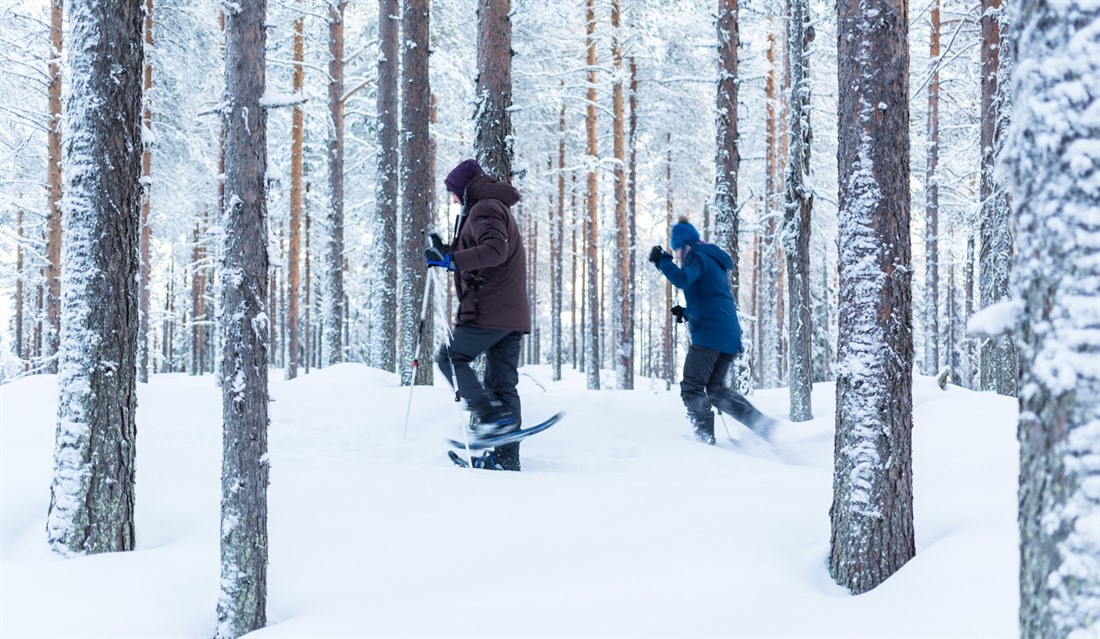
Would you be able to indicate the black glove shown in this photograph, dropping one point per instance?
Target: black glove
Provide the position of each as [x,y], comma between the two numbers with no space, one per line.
[655,255]
[438,256]
[678,312]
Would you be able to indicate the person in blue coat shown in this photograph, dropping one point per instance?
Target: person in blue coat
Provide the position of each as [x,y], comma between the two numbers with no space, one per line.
[715,331]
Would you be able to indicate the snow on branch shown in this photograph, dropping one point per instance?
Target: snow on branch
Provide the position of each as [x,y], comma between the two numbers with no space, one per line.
[998,319]
[270,100]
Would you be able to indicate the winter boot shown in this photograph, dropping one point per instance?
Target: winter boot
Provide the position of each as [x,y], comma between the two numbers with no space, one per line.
[492,419]
[487,461]
[703,426]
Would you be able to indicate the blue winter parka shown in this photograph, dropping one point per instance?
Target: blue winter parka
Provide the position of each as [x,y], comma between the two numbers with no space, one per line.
[711,312]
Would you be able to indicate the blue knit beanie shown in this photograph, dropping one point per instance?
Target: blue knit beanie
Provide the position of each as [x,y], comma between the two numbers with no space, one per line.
[683,234]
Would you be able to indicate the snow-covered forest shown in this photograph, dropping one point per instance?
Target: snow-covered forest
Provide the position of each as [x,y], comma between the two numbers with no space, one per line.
[213,219]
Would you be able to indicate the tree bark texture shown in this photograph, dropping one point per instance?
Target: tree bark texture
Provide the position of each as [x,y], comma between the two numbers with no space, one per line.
[624,348]
[294,250]
[592,335]
[1052,170]
[798,205]
[146,198]
[771,364]
[557,240]
[932,208]
[387,183]
[493,97]
[872,510]
[998,355]
[416,205]
[728,157]
[20,349]
[244,362]
[334,244]
[92,494]
[53,187]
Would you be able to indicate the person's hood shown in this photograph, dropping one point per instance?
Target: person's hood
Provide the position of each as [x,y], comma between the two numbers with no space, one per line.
[715,253]
[483,187]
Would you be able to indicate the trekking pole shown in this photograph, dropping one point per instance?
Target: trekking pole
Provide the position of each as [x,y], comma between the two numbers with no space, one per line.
[722,416]
[416,351]
[454,380]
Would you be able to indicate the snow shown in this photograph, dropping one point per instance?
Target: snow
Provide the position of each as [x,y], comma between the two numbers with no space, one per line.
[620,524]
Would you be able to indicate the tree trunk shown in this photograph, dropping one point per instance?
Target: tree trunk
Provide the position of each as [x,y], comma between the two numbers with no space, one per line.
[557,231]
[669,339]
[631,212]
[416,185]
[592,335]
[768,317]
[493,97]
[334,245]
[932,209]
[998,354]
[20,350]
[1049,154]
[728,157]
[872,510]
[146,199]
[52,272]
[245,471]
[197,311]
[92,494]
[624,348]
[295,236]
[387,184]
[307,325]
[575,357]
[798,207]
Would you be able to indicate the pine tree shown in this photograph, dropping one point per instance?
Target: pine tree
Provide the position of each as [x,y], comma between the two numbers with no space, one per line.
[872,511]
[294,257]
[146,198]
[334,241]
[52,272]
[998,354]
[932,355]
[92,495]
[1054,174]
[416,186]
[798,204]
[387,183]
[592,294]
[728,157]
[493,98]
[244,360]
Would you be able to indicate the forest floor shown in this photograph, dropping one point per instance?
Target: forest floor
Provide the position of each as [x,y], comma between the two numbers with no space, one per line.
[620,525]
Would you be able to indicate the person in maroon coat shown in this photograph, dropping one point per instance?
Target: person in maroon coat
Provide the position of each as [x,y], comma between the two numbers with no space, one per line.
[490,272]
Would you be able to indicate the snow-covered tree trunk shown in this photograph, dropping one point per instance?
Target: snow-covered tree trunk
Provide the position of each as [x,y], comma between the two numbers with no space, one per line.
[557,238]
[872,510]
[798,205]
[146,196]
[416,204]
[52,272]
[244,319]
[998,354]
[823,294]
[492,118]
[1053,170]
[92,494]
[387,182]
[624,315]
[592,293]
[932,208]
[770,354]
[727,157]
[334,241]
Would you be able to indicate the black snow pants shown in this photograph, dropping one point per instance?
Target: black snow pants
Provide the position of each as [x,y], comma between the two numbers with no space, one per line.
[704,386]
[501,348]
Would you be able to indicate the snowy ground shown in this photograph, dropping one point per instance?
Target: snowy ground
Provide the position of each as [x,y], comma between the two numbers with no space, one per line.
[619,526]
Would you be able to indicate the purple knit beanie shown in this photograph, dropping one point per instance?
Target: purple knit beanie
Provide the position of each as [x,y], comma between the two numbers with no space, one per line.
[460,176]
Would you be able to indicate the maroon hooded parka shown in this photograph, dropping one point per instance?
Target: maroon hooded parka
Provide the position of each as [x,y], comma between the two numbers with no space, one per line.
[491,280]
